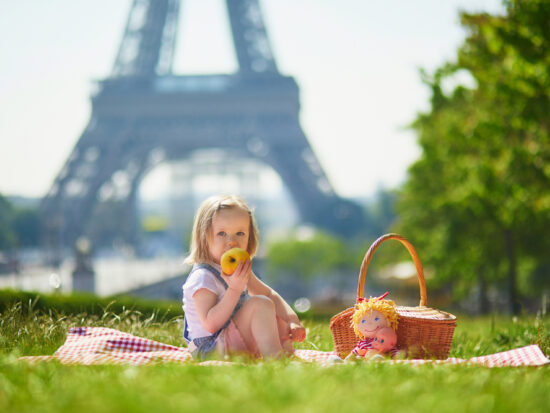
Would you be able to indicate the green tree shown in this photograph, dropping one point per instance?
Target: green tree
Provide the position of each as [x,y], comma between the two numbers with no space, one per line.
[477,201]
[26,225]
[7,235]
[380,214]
[19,227]
[317,255]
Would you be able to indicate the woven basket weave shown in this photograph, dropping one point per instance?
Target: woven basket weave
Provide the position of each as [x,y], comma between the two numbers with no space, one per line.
[422,332]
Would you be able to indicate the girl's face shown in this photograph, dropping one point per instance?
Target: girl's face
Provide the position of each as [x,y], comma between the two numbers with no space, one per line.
[230,229]
[371,322]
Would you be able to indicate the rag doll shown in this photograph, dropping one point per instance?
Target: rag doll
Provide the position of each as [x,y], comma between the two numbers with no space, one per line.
[372,319]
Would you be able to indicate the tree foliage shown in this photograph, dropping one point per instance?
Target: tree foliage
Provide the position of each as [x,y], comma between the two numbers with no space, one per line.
[19,227]
[478,199]
[7,235]
[308,257]
[380,213]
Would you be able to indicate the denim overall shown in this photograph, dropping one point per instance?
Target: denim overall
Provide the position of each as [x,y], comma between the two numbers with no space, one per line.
[205,345]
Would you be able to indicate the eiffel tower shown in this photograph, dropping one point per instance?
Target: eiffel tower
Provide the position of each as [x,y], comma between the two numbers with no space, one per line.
[143,115]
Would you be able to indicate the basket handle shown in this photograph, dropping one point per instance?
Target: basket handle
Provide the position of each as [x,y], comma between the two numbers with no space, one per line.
[414,255]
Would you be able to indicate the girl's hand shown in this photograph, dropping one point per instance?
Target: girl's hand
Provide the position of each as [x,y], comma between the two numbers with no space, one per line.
[297,332]
[239,280]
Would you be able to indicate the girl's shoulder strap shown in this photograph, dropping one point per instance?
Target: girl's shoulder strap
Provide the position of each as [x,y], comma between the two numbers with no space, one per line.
[212,270]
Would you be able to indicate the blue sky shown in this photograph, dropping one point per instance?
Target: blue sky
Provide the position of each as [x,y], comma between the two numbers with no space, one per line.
[356,62]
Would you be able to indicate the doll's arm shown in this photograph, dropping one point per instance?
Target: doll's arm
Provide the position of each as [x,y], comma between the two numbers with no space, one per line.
[372,353]
[360,351]
[356,353]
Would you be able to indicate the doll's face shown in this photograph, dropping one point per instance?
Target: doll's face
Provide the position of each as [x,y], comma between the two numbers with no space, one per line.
[371,322]
[385,340]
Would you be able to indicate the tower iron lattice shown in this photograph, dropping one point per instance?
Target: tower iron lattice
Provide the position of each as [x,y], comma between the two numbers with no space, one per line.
[142,115]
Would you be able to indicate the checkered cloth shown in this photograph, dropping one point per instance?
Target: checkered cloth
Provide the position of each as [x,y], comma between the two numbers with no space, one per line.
[98,345]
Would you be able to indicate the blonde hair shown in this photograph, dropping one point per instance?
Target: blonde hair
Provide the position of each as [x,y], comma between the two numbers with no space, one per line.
[199,251]
[384,307]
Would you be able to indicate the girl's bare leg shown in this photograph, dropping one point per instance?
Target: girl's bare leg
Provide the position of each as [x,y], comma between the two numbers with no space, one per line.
[286,340]
[257,323]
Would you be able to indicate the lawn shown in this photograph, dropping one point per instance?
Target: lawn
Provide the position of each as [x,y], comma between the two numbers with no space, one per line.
[264,386]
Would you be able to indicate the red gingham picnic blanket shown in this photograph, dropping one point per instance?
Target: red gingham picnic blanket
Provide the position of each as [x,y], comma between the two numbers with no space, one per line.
[99,345]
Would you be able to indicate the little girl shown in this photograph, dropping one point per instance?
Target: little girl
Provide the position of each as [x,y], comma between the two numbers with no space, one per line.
[237,313]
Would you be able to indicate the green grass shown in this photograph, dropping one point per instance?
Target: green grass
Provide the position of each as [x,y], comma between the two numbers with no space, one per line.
[85,303]
[263,386]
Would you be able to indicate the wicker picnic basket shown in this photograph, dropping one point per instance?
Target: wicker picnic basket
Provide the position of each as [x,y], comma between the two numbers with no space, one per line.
[422,332]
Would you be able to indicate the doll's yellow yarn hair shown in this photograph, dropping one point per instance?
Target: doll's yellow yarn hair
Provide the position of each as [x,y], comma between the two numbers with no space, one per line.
[384,307]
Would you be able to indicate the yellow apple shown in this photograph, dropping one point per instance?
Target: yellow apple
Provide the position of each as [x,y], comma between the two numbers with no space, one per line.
[231,258]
